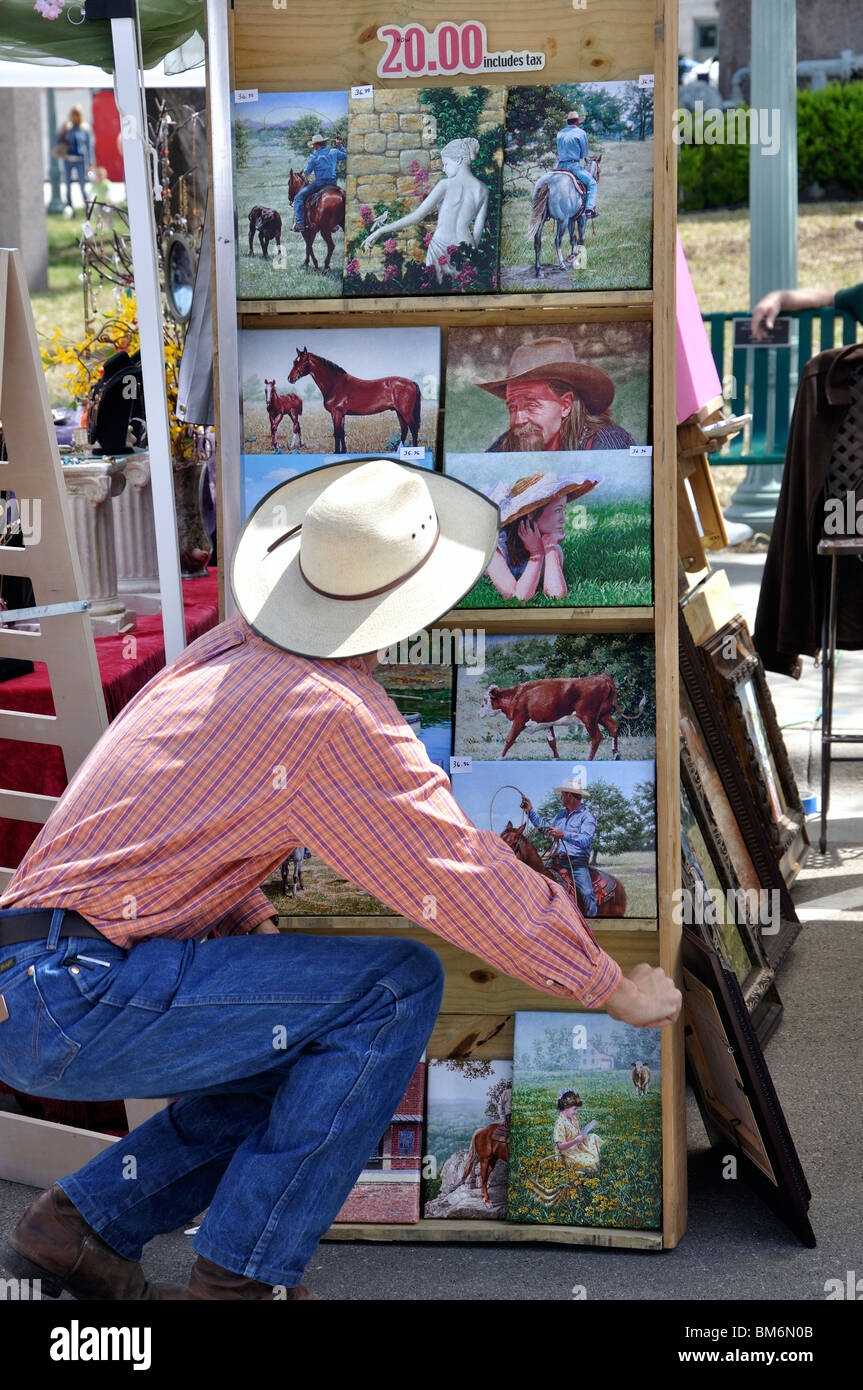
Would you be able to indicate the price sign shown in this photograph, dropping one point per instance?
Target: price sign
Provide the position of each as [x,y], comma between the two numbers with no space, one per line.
[640,451]
[409,453]
[646,80]
[460,765]
[245,94]
[366,91]
[411,51]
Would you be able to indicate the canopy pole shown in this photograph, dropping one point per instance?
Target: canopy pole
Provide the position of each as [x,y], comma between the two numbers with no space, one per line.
[128,90]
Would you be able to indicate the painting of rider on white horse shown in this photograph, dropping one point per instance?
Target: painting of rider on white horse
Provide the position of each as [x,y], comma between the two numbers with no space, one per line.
[577,187]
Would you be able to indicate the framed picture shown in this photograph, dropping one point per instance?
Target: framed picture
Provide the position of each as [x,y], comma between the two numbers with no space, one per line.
[590,827]
[388,1188]
[722,896]
[572,149]
[289,170]
[579,696]
[322,395]
[467,1139]
[731,801]
[740,688]
[586,1144]
[423,191]
[734,1089]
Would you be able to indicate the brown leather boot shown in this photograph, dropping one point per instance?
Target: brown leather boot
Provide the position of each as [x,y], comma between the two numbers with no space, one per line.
[210,1281]
[53,1243]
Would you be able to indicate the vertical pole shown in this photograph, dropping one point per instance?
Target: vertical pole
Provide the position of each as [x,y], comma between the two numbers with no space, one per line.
[142,228]
[224,290]
[772,207]
[56,203]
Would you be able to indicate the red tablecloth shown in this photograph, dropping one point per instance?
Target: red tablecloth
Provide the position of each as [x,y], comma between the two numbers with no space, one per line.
[37,767]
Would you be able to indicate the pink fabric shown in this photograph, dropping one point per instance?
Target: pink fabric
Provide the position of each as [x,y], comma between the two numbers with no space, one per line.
[697,379]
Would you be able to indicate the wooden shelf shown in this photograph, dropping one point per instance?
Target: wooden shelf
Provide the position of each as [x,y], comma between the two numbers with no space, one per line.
[518,620]
[331,46]
[607,306]
[497,1232]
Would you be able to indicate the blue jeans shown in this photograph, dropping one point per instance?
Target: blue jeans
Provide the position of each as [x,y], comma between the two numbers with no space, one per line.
[583,882]
[587,179]
[78,167]
[288,1055]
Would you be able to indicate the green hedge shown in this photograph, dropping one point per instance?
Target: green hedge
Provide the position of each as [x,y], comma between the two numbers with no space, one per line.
[829,151]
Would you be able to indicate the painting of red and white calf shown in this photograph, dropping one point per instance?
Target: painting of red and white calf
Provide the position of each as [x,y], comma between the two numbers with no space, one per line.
[576,696]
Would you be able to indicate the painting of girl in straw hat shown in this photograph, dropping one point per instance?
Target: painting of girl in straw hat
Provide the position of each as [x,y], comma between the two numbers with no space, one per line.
[578,534]
[424,191]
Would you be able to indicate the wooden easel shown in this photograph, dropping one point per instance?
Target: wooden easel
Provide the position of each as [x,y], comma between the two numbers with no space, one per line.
[697,437]
[39,1151]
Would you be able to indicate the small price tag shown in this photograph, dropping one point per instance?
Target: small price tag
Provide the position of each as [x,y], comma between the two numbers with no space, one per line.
[646,79]
[460,765]
[411,453]
[640,451]
[87,229]
[366,91]
[245,94]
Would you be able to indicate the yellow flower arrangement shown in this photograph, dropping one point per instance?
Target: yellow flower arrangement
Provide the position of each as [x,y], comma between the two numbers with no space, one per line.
[85,359]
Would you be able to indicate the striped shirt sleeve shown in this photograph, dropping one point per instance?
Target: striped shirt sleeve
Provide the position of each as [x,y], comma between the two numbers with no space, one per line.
[245,915]
[398,832]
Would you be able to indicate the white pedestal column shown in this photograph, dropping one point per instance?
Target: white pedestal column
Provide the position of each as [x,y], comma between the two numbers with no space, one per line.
[91,483]
[135,538]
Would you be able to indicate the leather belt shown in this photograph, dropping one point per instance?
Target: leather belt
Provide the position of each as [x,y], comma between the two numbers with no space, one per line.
[33,926]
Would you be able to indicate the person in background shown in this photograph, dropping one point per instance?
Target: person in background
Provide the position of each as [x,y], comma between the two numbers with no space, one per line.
[767,310]
[79,152]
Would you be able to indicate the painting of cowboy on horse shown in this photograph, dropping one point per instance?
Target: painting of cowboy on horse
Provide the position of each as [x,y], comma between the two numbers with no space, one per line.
[589,827]
[289,179]
[577,187]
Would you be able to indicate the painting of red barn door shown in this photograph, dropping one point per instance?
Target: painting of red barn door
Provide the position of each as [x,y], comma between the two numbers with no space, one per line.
[388,1188]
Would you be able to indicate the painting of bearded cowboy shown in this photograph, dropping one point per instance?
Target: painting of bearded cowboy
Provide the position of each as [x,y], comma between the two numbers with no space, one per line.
[555,403]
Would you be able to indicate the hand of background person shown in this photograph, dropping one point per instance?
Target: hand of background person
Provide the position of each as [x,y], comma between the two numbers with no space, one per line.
[765,313]
[645,998]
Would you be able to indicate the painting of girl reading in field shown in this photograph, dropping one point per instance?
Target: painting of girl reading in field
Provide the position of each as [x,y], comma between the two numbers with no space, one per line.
[586,1129]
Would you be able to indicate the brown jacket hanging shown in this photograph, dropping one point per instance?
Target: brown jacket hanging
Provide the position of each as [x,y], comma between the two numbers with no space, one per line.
[794,585]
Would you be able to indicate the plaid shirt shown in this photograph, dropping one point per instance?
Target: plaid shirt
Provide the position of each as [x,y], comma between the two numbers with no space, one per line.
[237,752]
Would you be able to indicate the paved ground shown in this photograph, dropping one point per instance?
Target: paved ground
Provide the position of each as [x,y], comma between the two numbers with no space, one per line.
[734,1249]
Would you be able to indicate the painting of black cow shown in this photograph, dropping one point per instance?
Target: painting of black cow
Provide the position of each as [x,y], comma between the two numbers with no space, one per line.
[578,696]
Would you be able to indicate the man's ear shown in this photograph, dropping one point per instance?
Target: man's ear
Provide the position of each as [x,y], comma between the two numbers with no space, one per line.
[567,401]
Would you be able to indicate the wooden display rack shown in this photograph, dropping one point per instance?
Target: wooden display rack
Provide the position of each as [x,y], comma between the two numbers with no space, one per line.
[329,45]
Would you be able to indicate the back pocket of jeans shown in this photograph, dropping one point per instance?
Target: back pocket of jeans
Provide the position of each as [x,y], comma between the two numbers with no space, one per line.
[34,1050]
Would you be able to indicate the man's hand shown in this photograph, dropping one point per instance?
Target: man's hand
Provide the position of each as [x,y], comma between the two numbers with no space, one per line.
[526,804]
[555,832]
[268,928]
[645,998]
[765,313]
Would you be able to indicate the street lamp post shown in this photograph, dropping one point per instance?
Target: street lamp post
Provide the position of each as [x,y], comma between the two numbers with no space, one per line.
[56,203]
[772,209]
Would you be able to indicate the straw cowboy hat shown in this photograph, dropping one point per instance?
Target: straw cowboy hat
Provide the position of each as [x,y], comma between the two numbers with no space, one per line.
[573,115]
[577,788]
[318,139]
[553,359]
[353,557]
[539,490]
